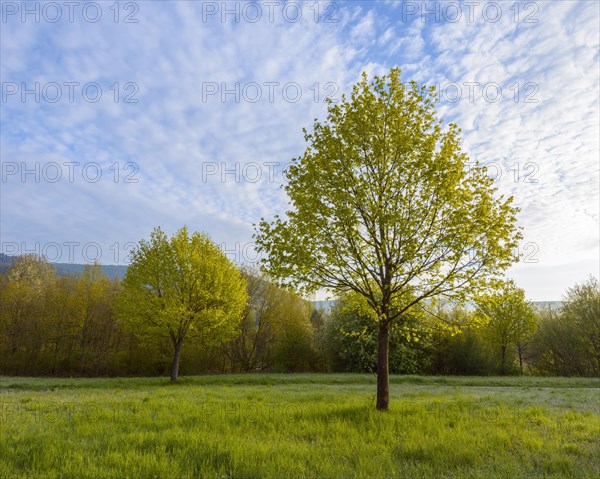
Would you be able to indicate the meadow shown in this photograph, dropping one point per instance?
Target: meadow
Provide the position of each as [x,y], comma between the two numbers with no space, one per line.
[301,425]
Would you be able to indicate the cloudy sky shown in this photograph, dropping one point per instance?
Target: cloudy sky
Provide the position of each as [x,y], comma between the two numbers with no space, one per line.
[117,118]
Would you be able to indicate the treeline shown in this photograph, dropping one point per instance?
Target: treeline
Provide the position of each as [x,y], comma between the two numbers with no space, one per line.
[67,326]
[512,337]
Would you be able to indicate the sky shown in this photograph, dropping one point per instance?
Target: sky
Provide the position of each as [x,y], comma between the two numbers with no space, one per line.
[120,117]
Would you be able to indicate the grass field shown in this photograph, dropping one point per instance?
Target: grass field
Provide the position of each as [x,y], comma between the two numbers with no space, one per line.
[306,425]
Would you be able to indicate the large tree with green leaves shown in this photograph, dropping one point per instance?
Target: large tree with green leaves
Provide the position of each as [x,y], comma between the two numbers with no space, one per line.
[511,319]
[181,288]
[385,203]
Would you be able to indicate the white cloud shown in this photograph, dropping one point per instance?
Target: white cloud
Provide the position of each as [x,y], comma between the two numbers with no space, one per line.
[364,31]
[174,134]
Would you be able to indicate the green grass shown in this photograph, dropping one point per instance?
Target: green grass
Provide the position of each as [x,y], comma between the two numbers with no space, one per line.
[305,425]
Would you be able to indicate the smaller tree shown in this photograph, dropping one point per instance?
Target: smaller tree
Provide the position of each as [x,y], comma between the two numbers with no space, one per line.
[92,311]
[275,330]
[553,346]
[350,339]
[511,319]
[182,288]
[457,342]
[23,312]
[568,340]
[581,310]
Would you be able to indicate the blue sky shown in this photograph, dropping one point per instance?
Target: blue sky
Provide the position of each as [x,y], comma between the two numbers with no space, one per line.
[117,118]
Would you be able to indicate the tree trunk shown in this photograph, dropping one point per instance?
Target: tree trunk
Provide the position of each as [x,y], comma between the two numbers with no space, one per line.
[383,369]
[176,356]
[521,364]
[520,351]
[503,368]
[82,361]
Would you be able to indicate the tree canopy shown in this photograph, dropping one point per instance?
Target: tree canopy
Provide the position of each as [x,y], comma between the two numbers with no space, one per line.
[385,203]
[511,318]
[182,287]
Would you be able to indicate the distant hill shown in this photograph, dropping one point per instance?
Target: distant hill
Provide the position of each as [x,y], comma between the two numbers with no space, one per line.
[111,270]
[547,304]
[67,269]
[327,305]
